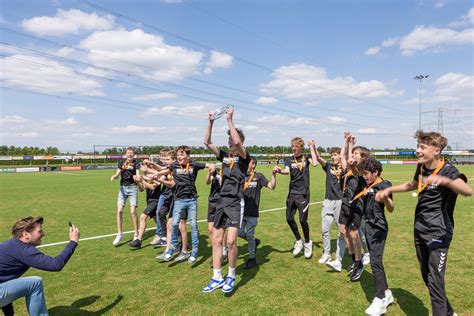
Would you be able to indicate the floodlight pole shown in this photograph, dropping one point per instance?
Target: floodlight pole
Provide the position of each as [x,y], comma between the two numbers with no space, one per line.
[420,78]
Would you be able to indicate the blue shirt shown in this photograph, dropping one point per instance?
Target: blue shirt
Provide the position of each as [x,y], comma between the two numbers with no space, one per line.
[16,258]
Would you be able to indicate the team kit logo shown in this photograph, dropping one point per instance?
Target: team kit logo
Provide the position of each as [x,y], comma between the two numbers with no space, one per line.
[190,170]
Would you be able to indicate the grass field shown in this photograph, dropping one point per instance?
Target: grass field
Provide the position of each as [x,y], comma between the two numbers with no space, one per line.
[101,278]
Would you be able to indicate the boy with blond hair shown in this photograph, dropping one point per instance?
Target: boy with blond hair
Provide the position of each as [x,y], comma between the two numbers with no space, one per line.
[297,167]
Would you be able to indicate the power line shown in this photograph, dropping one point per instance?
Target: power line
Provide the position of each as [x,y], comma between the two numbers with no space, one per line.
[271,126]
[162,90]
[168,83]
[246,61]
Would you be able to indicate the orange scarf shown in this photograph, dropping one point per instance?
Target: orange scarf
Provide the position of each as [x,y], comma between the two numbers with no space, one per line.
[378,180]
[247,183]
[421,185]
[300,168]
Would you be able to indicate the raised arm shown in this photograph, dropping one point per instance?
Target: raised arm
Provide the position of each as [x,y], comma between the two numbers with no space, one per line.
[210,171]
[312,149]
[344,151]
[207,137]
[320,159]
[272,184]
[233,133]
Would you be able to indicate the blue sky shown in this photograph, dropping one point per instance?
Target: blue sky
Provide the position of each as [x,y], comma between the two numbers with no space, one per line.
[77,74]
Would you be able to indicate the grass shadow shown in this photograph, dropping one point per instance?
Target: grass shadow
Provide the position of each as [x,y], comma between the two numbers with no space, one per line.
[409,303]
[76,307]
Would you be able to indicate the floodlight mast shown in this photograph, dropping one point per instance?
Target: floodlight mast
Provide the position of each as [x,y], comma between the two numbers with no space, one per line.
[420,78]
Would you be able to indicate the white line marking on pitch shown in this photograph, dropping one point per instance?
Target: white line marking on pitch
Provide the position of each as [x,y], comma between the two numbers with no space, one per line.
[63,172]
[151,228]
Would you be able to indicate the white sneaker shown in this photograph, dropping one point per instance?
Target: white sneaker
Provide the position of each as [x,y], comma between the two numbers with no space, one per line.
[298,247]
[308,249]
[135,236]
[378,307]
[117,240]
[388,297]
[366,259]
[324,258]
[336,265]
[156,240]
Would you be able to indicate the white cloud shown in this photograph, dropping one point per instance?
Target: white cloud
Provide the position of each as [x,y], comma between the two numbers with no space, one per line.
[298,81]
[456,86]
[372,50]
[135,129]
[451,88]
[25,70]
[13,119]
[286,120]
[439,4]
[218,60]
[336,119]
[155,96]
[390,42]
[28,134]
[186,110]
[65,51]
[369,131]
[266,100]
[430,37]
[128,50]
[79,109]
[95,72]
[68,22]
[467,19]
[70,121]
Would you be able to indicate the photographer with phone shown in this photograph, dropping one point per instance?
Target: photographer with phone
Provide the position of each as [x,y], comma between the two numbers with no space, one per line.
[19,253]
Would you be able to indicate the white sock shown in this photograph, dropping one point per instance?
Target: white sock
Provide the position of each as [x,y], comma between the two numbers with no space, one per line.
[217,274]
[231,272]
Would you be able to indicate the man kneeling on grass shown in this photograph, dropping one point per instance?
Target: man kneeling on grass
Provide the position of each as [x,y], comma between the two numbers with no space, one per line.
[18,254]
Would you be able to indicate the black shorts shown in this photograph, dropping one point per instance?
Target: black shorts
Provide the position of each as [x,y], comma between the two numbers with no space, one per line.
[229,212]
[151,207]
[350,216]
[211,211]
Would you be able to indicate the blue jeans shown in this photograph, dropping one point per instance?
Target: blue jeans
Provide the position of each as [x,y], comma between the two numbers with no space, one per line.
[29,287]
[160,231]
[180,206]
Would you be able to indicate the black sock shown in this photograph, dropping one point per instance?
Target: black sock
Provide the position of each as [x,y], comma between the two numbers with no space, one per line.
[353,258]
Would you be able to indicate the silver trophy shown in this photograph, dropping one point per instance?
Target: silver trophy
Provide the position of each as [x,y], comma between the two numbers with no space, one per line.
[216,114]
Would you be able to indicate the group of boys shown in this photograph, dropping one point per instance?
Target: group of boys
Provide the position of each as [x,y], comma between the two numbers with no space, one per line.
[356,197]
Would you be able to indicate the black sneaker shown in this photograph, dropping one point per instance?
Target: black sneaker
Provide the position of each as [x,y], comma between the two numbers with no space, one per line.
[357,272]
[137,243]
[350,268]
[160,243]
[257,242]
[250,263]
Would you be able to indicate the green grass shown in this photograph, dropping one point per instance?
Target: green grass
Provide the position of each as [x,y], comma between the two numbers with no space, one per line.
[121,281]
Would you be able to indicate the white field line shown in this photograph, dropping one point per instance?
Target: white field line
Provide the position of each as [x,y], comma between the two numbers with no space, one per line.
[152,228]
[62,172]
